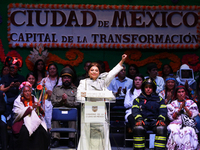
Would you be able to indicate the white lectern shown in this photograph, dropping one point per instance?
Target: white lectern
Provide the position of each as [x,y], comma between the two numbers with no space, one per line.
[95,120]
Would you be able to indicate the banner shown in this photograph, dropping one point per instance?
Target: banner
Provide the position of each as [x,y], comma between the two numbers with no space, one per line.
[103,26]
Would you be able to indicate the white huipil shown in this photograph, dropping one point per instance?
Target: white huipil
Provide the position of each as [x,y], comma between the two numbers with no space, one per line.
[181,138]
[49,84]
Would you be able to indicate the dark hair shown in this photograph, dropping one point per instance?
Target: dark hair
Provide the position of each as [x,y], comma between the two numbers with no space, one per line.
[95,64]
[53,64]
[149,81]
[31,73]
[136,68]
[101,63]
[171,71]
[3,68]
[176,90]
[86,63]
[35,69]
[151,66]
[133,86]
[174,79]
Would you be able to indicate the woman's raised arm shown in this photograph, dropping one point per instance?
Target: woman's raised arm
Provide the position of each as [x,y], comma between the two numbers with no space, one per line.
[123,59]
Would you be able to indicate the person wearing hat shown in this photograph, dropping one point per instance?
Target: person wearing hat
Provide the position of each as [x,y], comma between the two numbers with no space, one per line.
[152,70]
[168,92]
[185,77]
[149,111]
[29,128]
[64,96]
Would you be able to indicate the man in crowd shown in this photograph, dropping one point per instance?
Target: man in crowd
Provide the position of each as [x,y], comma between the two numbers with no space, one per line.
[120,84]
[64,96]
[152,70]
[85,75]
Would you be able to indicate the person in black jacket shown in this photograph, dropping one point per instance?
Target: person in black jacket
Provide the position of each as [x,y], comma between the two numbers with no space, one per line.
[149,111]
[10,85]
[3,125]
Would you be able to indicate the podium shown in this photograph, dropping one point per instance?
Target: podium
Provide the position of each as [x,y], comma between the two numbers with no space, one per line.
[95,120]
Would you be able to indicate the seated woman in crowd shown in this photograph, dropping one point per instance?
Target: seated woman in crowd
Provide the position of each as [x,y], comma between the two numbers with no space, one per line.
[29,126]
[32,80]
[131,94]
[166,71]
[180,112]
[4,71]
[132,71]
[168,92]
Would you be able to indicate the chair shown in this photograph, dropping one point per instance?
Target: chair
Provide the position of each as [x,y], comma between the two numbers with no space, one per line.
[64,114]
[128,137]
[117,113]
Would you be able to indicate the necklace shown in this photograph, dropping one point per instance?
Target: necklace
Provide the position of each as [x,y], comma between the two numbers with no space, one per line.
[179,103]
[28,103]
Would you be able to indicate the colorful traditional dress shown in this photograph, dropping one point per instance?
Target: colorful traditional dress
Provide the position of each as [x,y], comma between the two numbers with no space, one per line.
[181,137]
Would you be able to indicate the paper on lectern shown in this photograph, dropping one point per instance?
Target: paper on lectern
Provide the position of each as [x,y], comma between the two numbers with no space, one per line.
[98,94]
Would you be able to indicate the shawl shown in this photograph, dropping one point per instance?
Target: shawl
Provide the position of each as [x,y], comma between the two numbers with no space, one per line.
[31,121]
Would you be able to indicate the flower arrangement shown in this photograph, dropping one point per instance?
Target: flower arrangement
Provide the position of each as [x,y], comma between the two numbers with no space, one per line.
[135,55]
[40,95]
[192,60]
[25,83]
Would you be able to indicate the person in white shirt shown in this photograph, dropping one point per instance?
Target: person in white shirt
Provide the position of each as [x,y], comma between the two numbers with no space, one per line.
[132,94]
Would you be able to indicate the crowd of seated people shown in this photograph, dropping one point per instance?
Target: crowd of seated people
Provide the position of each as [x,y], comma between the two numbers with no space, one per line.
[179,95]
[152,103]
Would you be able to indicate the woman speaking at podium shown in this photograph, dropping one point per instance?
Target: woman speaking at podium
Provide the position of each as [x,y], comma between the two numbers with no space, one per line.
[95,136]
